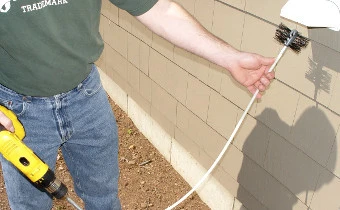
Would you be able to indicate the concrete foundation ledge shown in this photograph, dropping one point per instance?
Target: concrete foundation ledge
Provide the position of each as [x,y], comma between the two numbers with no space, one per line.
[211,191]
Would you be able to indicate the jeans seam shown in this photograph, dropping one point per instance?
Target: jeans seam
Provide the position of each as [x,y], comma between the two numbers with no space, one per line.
[75,177]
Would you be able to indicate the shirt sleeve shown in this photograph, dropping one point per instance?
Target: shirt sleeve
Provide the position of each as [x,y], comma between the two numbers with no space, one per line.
[135,7]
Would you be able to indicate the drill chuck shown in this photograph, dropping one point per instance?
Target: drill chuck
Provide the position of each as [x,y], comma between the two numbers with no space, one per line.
[52,185]
[23,158]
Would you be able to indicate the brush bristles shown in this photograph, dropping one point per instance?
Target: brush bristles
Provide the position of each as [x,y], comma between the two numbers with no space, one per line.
[283,34]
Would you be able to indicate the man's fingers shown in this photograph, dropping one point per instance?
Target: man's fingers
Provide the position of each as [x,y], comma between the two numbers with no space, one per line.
[6,122]
[265,82]
[267,61]
[270,75]
[252,89]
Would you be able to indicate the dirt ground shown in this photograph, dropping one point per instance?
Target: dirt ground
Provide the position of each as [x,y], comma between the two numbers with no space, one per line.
[147,180]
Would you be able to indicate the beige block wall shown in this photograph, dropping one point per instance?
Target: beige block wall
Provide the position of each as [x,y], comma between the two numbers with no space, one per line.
[285,155]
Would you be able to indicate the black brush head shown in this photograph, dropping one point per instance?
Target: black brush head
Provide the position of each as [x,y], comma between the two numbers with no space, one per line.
[291,38]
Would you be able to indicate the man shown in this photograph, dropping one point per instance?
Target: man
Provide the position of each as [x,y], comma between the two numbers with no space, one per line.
[48,79]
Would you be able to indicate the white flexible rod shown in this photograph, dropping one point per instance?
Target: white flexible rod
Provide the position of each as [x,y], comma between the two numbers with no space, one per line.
[229,140]
[73,203]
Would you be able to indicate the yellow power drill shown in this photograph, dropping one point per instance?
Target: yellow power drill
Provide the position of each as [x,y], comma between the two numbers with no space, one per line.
[23,158]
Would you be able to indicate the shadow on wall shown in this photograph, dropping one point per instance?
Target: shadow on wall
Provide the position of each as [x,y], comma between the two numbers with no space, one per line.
[320,78]
[325,56]
[288,174]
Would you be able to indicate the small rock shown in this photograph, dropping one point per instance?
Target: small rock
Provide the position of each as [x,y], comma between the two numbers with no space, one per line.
[143,205]
[131,162]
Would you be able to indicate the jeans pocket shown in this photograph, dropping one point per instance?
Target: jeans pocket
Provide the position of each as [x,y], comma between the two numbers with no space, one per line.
[92,84]
[18,107]
[12,101]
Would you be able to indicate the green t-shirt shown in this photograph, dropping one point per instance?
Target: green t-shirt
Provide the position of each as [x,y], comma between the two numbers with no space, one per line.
[47,47]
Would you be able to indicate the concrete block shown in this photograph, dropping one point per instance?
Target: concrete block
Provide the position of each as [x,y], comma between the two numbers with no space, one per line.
[196,129]
[163,46]
[141,31]
[277,108]
[144,55]
[133,77]
[335,98]
[258,37]
[215,76]
[145,86]
[157,67]
[265,188]
[109,32]
[121,44]
[204,11]
[125,20]
[163,102]
[237,190]
[133,50]
[184,117]
[222,114]
[232,161]
[326,193]
[189,145]
[184,59]
[228,24]
[292,70]
[138,99]
[293,168]
[176,81]
[114,91]
[116,62]
[314,130]
[252,139]
[248,200]
[200,68]
[198,97]
[162,120]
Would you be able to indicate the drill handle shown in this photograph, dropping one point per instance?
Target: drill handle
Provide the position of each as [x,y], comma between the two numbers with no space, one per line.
[19,130]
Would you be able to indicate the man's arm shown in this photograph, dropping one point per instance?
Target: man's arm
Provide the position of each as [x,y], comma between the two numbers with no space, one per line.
[172,22]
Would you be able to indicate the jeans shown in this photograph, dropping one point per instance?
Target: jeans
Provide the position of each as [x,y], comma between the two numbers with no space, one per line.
[82,124]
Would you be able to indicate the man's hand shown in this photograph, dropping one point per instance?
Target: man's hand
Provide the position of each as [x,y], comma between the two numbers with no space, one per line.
[251,71]
[6,122]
